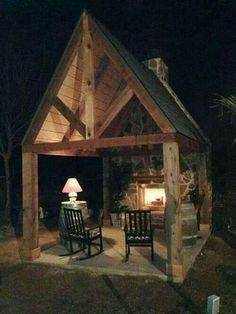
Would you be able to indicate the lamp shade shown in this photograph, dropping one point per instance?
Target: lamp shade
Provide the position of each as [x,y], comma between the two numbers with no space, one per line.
[72,185]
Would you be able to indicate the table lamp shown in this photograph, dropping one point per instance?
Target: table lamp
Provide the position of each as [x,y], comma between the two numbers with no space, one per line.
[72,187]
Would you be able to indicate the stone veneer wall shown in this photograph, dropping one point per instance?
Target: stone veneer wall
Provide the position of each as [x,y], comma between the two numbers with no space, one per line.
[149,169]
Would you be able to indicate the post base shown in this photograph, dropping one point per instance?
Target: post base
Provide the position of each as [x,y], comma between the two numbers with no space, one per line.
[30,255]
[175,273]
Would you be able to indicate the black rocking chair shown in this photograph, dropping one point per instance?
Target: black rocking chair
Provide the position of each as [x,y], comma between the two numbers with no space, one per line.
[138,230]
[85,235]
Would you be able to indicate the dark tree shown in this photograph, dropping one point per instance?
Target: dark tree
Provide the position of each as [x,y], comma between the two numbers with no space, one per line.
[19,85]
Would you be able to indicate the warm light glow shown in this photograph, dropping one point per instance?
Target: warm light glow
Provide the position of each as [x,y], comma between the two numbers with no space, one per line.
[72,187]
[154,196]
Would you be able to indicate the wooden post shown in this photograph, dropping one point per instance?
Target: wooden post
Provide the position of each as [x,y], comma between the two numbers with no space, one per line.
[205,186]
[175,266]
[30,249]
[106,189]
[88,78]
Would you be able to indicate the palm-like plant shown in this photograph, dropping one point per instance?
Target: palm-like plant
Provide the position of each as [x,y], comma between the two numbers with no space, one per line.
[227,105]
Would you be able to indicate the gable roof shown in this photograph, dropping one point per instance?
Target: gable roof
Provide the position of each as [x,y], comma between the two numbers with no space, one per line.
[169,109]
[162,94]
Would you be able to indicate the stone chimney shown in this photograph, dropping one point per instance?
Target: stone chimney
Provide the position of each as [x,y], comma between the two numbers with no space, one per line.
[158,66]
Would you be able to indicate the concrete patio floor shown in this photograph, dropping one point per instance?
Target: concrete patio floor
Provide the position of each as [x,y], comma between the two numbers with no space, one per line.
[112,260]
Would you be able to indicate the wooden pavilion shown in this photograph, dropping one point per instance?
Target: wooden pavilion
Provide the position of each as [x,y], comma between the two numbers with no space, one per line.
[96,87]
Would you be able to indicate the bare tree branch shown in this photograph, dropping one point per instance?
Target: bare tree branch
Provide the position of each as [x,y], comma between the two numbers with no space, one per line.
[19,86]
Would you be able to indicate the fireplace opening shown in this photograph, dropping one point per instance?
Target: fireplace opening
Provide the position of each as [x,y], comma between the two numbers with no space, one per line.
[154,197]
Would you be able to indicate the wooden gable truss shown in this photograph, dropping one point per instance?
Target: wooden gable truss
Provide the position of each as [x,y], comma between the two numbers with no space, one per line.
[88,90]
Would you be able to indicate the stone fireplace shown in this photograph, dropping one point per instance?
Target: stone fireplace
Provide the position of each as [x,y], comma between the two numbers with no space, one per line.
[147,189]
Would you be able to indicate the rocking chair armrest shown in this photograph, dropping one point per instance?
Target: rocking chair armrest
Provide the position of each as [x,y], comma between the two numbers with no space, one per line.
[92,227]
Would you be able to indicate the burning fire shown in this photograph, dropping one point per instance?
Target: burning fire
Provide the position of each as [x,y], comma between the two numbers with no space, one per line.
[154,196]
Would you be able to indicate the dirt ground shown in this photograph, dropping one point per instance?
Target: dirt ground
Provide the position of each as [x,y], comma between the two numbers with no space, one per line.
[33,288]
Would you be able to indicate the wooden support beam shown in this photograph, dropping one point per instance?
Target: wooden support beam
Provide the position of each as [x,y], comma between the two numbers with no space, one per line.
[175,266]
[187,144]
[69,115]
[106,188]
[134,83]
[94,144]
[205,186]
[30,249]
[88,77]
[115,108]
[72,153]
[118,123]
[100,72]
[68,133]
[131,151]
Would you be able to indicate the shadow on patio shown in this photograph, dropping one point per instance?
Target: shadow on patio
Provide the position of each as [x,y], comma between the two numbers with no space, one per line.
[112,260]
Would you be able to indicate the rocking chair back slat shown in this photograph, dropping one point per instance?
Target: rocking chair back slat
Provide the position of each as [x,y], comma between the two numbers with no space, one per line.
[138,230]
[74,222]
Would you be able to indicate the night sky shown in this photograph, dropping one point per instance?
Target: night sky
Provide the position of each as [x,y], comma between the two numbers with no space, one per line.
[196,39]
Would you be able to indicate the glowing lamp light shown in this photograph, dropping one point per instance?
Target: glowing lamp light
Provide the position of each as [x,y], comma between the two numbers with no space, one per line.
[72,187]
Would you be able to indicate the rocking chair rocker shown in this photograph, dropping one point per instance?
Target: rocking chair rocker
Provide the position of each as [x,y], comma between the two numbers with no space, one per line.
[86,235]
